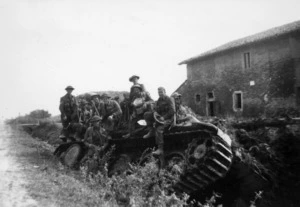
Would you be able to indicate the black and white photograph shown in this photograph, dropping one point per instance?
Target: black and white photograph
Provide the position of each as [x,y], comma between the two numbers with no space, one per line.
[147,103]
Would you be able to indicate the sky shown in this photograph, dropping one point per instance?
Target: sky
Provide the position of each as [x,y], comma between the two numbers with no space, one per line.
[96,45]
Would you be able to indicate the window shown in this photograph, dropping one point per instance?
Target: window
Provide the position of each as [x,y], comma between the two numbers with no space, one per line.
[237,101]
[210,96]
[247,60]
[197,98]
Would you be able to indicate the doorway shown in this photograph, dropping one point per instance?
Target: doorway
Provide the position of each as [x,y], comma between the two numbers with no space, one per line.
[211,108]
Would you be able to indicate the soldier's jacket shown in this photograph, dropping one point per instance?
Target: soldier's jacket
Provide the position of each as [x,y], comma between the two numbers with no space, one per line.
[131,94]
[146,99]
[181,111]
[124,104]
[97,106]
[111,108]
[87,114]
[165,107]
[68,105]
[125,110]
[94,136]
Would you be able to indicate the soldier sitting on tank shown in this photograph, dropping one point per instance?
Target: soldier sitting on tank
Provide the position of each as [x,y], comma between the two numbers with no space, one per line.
[183,115]
[160,119]
[111,113]
[85,111]
[96,104]
[142,102]
[135,80]
[85,114]
[94,139]
[69,112]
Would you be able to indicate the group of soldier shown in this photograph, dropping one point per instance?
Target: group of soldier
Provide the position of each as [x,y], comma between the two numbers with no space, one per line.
[102,115]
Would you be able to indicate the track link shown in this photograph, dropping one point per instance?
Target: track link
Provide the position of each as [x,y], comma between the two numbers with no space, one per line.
[208,159]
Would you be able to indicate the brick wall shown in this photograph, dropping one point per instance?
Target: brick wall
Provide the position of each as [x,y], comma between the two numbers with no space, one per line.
[273,72]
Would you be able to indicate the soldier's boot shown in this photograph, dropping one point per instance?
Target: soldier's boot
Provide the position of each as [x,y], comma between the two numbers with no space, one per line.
[159,151]
[151,133]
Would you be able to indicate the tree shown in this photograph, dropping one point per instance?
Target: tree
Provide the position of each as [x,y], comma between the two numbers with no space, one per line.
[39,114]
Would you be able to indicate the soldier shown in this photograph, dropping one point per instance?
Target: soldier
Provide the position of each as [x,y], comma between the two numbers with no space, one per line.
[142,102]
[160,119]
[183,115]
[117,99]
[96,104]
[125,110]
[69,111]
[86,111]
[134,79]
[94,139]
[111,112]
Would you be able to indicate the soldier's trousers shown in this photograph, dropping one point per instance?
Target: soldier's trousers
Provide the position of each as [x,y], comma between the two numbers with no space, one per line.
[157,127]
[66,125]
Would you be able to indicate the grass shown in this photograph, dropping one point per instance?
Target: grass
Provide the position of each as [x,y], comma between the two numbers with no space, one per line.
[52,184]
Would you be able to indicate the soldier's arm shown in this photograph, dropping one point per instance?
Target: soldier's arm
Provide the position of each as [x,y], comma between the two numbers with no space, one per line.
[75,109]
[149,103]
[148,97]
[131,95]
[143,87]
[118,110]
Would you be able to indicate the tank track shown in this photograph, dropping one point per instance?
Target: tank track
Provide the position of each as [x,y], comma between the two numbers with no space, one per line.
[207,160]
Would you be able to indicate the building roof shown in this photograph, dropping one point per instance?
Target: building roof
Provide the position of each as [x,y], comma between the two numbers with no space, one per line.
[262,36]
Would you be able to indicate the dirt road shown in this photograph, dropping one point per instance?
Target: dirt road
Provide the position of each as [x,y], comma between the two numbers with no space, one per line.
[12,177]
[31,176]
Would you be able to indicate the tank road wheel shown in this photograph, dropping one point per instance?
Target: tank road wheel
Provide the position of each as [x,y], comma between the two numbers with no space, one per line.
[208,159]
[175,162]
[71,156]
[197,150]
[148,158]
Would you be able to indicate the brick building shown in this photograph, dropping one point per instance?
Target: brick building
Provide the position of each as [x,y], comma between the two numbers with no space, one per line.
[246,76]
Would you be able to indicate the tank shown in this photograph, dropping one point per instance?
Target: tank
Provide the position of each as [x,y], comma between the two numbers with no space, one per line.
[200,154]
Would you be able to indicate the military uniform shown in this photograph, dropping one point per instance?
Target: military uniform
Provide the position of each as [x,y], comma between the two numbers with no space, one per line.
[125,112]
[183,115]
[134,79]
[111,109]
[94,139]
[96,104]
[97,107]
[68,109]
[85,111]
[131,94]
[94,136]
[140,109]
[87,114]
[166,109]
